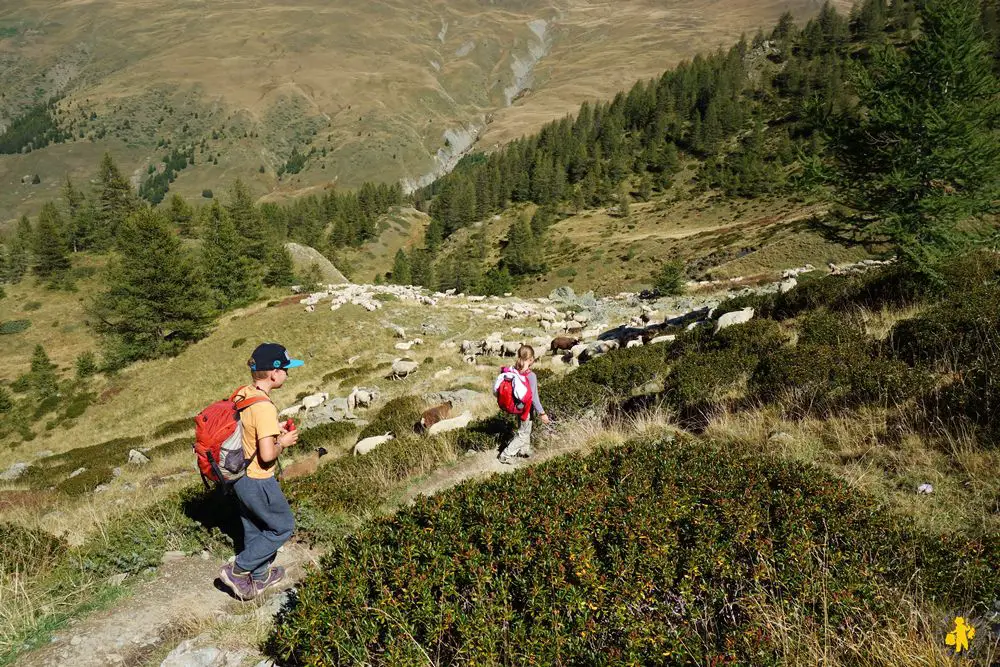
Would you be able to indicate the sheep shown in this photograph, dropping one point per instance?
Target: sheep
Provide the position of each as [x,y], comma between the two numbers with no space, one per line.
[398,331]
[578,349]
[510,348]
[441,373]
[574,326]
[469,347]
[402,368]
[562,343]
[446,425]
[304,467]
[361,397]
[404,346]
[314,400]
[635,342]
[366,445]
[433,415]
[662,339]
[734,317]
[787,285]
[292,410]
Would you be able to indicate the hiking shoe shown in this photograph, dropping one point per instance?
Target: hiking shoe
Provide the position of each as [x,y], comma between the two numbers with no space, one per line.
[506,460]
[275,575]
[241,585]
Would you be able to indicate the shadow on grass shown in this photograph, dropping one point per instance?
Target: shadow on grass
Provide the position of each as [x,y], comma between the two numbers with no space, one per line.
[216,509]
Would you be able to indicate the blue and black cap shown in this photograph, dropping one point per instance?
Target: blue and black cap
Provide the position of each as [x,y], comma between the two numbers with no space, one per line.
[270,356]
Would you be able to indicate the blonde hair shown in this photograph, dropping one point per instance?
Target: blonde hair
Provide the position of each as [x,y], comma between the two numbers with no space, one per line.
[525,355]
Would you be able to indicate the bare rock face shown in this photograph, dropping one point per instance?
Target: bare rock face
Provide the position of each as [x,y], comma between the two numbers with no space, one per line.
[304,257]
[13,472]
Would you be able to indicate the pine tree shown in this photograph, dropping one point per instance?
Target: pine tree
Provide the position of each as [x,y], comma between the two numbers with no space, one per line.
[115,202]
[181,216]
[624,200]
[43,380]
[922,153]
[153,302]
[18,257]
[50,252]
[401,269]
[231,275]
[247,221]
[522,255]
[280,270]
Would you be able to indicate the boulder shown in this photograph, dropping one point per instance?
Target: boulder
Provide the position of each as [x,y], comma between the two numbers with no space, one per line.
[925,489]
[456,396]
[13,472]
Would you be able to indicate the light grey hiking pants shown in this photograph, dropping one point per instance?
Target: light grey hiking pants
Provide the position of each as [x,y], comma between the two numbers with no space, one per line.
[520,444]
[267,523]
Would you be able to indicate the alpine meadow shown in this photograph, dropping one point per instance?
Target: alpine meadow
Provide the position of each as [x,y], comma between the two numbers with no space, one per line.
[565,332]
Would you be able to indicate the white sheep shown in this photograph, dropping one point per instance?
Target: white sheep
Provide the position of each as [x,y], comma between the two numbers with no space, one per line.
[292,410]
[510,348]
[446,425]
[403,367]
[635,342]
[366,445]
[668,338]
[362,397]
[735,317]
[441,373]
[404,346]
[314,400]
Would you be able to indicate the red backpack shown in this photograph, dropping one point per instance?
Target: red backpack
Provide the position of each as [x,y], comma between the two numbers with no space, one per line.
[218,439]
[513,392]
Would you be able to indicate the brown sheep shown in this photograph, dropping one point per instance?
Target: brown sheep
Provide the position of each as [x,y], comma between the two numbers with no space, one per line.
[563,343]
[433,415]
[305,467]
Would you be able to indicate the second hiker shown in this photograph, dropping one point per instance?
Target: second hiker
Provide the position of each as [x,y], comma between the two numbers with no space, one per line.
[520,444]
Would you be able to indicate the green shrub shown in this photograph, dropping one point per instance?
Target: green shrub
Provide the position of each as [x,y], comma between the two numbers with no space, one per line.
[622,371]
[28,550]
[825,328]
[6,400]
[86,365]
[32,305]
[326,435]
[385,297]
[570,397]
[818,378]
[14,327]
[171,447]
[487,434]
[181,425]
[971,403]
[86,481]
[650,553]
[77,405]
[52,470]
[238,342]
[398,417]
[702,382]
[763,305]
[954,332]
[669,278]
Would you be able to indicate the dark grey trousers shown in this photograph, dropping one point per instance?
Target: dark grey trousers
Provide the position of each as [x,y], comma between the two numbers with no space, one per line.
[267,523]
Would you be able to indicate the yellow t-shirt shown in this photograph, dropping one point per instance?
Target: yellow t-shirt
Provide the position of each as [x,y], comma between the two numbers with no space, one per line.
[260,420]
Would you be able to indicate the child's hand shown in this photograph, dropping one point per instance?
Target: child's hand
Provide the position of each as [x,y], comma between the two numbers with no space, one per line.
[288,438]
[545,418]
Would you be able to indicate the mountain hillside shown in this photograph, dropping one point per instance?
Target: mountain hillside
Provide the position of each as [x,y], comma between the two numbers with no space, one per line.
[294,95]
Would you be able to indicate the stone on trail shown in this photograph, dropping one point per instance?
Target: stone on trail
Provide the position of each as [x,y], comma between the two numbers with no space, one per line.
[13,472]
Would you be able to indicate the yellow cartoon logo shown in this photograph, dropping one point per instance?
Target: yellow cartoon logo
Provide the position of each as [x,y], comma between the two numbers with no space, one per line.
[960,636]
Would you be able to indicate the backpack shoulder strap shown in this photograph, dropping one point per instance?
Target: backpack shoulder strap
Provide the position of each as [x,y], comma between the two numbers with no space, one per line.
[245,403]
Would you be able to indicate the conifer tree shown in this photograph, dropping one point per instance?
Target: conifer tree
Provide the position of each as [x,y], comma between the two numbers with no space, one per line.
[43,380]
[522,255]
[50,252]
[153,302]
[624,200]
[247,221]
[922,153]
[18,257]
[279,268]
[231,275]
[181,216]
[115,202]
[401,269]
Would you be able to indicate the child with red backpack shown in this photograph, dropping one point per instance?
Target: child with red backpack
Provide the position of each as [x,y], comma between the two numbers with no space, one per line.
[516,390]
[266,516]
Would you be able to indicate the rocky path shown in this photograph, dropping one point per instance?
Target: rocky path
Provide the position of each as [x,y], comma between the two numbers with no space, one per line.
[180,605]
